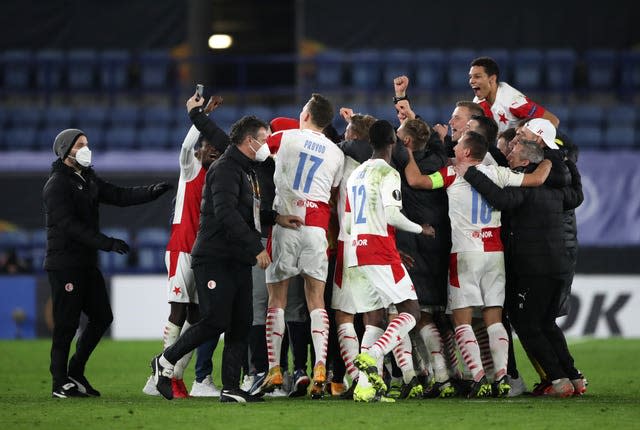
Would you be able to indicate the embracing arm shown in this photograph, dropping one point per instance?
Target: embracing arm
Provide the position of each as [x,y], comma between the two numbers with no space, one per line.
[499,198]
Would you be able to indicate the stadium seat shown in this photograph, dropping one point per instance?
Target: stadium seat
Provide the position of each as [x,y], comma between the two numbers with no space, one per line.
[158,115]
[123,116]
[365,69]
[24,117]
[620,137]
[602,68]
[95,136]
[587,116]
[151,244]
[91,116]
[262,112]
[154,137]
[154,68]
[329,64]
[445,113]
[16,240]
[562,112]
[383,111]
[560,64]
[630,76]
[38,247]
[503,58]
[50,65]
[17,66]
[458,69]
[429,69]
[114,69]
[120,137]
[290,111]
[428,113]
[81,67]
[20,139]
[396,62]
[621,116]
[527,69]
[111,261]
[59,116]
[587,137]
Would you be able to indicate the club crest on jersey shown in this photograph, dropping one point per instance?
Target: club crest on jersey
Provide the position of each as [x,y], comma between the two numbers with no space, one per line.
[68,287]
[211,284]
[397,195]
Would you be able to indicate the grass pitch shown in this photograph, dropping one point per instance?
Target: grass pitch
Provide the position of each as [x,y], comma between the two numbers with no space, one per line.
[119,370]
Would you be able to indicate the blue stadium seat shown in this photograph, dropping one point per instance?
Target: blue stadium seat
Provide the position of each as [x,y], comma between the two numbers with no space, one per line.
[383,111]
[95,136]
[262,112]
[81,68]
[429,69]
[151,244]
[226,116]
[17,66]
[50,65]
[16,240]
[114,69]
[502,57]
[396,62]
[527,69]
[60,116]
[620,137]
[428,113]
[602,68]
[45,137]
[91,116]
[24,117]
[154,68]
[176,137]
[20,139]
[112,261]
[560,64]
[120,137]
[445,113]
[154,137]
[329,66]
[587,116]
[458,69]
[587,136]
[562,112]
[630,75]
[621,116]
[365,69]
[291,111]
[123,115]
[158,115]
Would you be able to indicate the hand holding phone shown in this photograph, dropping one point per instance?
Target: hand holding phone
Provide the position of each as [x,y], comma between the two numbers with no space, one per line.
[199,91]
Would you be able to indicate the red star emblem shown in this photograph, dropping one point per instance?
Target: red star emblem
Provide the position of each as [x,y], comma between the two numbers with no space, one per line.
[503,118]
[176,290]
[398,338]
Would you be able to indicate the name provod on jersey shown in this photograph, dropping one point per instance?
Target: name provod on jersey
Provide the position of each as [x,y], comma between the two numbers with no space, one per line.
[314,146]
[306,204]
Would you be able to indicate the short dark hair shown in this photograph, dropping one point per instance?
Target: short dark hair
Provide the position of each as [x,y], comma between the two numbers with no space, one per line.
[489,64]
[360,125]
[381,134]
[419,131]
[508,134]
[476,143]
[488,127]
[473,107]
[320,109]
[247,125]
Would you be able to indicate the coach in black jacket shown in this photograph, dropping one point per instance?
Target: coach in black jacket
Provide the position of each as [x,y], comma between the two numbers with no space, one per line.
[72,196]
[536,255]
[227,246]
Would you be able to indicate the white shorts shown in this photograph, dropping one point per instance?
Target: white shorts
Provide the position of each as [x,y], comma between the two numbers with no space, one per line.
[298,252]
[182,284]
[389,283]
[476,279]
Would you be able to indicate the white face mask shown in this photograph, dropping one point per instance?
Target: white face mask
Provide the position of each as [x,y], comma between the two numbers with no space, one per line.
[263,152]
[83,156]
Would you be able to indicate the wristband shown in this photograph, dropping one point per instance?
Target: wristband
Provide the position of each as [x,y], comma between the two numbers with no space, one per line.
[396,99]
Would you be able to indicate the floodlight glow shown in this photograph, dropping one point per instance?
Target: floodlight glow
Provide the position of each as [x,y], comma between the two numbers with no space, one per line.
[220,41]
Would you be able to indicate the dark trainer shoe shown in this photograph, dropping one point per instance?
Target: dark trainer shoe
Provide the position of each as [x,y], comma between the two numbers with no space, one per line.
[67,390]
[84,386]
[236,395]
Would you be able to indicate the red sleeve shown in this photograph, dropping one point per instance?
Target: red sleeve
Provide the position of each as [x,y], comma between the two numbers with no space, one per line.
[273,142]
[486,107]
[448,175]
[529,109]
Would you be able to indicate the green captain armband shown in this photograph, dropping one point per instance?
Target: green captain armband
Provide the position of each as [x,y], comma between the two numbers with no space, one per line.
[437,181]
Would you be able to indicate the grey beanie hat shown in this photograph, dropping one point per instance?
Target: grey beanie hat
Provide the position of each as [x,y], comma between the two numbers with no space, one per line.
[65,140]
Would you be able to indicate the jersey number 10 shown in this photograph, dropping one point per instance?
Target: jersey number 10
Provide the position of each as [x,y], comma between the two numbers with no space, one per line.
[315,163]
[481,210]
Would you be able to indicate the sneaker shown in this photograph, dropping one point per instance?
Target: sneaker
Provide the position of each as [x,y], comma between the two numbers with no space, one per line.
[540,388]
[348,394]
[69,389]
[560,388]
[272,381]
[518,387]
[247,383]
[319,379]
[579,385]
[367,364]
[463,387]
[337,388]
[162,377]
[258,380]
[84,386]
[236,395]
[395,387]
[480,389]
[278,392]
[412,390]
[364,394]
[501,387]
[447,389]
[300,383]
[206,388]
[150,387]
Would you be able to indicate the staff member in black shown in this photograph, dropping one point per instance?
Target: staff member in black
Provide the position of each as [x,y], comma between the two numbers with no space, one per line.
[227,246]
[71,199]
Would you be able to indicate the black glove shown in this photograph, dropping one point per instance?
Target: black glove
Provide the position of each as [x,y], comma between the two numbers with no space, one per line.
[119,246]
[159,189]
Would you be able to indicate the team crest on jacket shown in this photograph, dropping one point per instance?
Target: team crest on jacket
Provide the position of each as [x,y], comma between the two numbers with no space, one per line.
[397,195]
[211,284]
[68,287]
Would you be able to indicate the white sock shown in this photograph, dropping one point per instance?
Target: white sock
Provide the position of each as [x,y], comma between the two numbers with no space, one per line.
[397,329]
[178,369]
[485,349]
[320,333]
[403,355]
[370,336]
[349,347]
[431,338]
[170,334]
[499,343]
[451,355]
[470,351]
[274,333]
[165,363]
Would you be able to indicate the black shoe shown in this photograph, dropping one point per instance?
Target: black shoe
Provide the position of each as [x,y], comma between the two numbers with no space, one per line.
[480,389]
[412,390]
[348,395]
[162,377]
[84,386]
[236,395]
[67,390]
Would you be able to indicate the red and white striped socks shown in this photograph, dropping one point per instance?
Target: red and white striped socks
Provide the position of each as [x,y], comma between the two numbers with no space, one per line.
[319,333]
[499,344]
[469,350]
[397,329]
[431,337]
[370,336]
[274,332]
[404,359]
[349,347]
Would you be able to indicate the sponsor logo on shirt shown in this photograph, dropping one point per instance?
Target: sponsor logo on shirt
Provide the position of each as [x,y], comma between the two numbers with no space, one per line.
[487,234]
[360,242]
[306,204]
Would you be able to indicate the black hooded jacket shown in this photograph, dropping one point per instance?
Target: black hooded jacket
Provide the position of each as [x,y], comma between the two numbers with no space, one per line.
[71,203]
